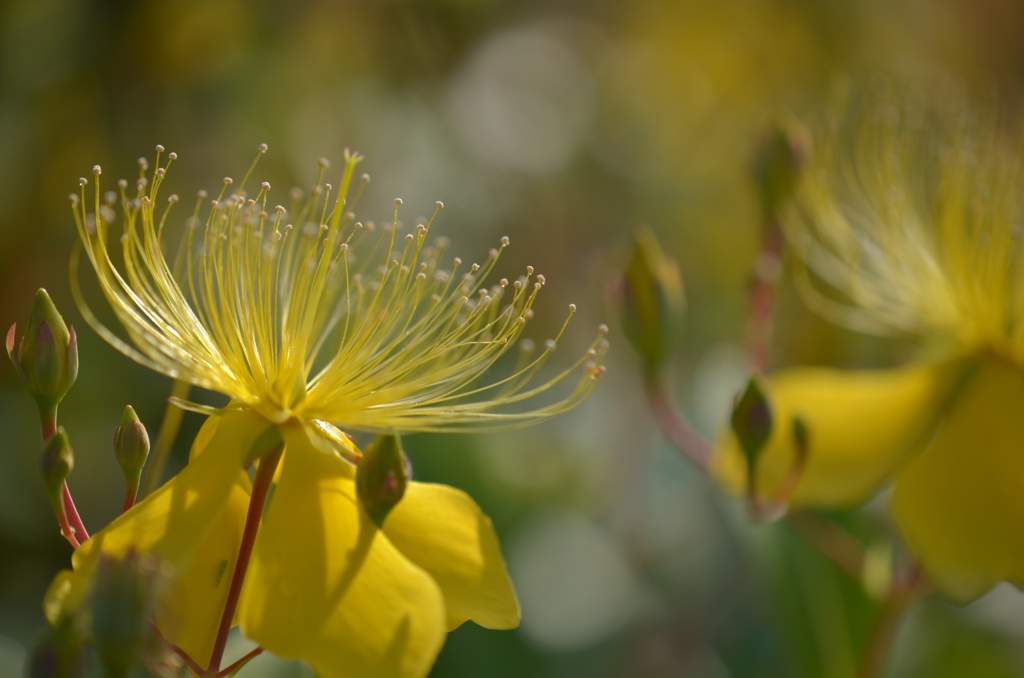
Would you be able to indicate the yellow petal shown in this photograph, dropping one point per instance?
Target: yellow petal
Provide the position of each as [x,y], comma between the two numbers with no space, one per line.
[194,524]
[960,505]
[55,602]
[862,426]
[443,531]
[326,586]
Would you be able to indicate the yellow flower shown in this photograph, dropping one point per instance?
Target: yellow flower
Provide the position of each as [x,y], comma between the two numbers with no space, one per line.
[329,320]
[908,221]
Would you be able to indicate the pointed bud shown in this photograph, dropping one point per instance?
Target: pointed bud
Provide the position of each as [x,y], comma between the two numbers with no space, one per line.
[131,444]
[652,300]
[57,462]
[47,357]
[780,155]
[752,423]
[121,606]
[382,476]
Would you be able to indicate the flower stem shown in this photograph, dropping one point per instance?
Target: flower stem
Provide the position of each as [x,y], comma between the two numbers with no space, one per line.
[260,490]
[675,425]
[894,609]
[165,438]
[131,491]
[65,527]
[240,663]
[189,662]
[71,526]
[73,517]
[831,541]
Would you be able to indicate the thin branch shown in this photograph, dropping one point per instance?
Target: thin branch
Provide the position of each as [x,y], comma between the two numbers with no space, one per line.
[240,663]
[676,427]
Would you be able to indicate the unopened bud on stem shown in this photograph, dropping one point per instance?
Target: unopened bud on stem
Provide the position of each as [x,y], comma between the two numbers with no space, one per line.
[652,300]
[752,423]
[780,155]
[382,476]
[131,447]
[57,462]
[47,356]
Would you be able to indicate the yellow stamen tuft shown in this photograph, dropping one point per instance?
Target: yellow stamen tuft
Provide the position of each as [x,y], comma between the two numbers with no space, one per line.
[310,313]
[911,210]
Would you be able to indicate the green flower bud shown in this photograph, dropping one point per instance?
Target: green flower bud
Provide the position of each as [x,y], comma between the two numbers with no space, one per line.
[57,462]
[131,445]
[780,155]
[652,300]
[121,606]
[59,654]
[382,476]
[752,423]
[47,357]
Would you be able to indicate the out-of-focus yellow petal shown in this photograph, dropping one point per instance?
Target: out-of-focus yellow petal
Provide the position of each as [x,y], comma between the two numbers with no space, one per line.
[55,600]
[862,426]
[194,524]
[443,531]
[960,504]
[325,585]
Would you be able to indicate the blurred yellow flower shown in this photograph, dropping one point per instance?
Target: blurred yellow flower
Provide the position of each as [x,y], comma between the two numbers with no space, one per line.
[331,320]
[908,221]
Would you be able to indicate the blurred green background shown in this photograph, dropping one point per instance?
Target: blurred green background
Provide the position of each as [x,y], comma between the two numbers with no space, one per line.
[563,124]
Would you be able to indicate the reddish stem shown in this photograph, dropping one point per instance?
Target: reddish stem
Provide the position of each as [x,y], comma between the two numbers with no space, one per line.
[70,522]
[129,501]
[260,490]
[676,426]
[890,618]
[65,527]
[48,420]
[241,662]
[191,663]
[131,492]
[73,517]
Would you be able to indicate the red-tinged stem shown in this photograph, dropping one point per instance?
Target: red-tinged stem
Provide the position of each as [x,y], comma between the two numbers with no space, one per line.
[891,616]
[48,420]
[129,501]
[832,541]
[73,517]
[191,663]
[679,431]
[241,662]
[65,527]
[70,522]
[260,490]
[131,492]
